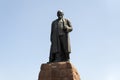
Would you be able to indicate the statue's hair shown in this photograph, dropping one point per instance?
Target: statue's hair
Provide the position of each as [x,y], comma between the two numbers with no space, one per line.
[60,11]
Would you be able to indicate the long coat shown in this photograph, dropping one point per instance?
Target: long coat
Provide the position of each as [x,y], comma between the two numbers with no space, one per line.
[54,37]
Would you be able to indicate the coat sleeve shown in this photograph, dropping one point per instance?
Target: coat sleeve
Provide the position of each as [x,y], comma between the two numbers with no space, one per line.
[69,26]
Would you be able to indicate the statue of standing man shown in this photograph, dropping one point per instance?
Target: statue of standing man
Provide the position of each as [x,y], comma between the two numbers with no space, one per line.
[60,42]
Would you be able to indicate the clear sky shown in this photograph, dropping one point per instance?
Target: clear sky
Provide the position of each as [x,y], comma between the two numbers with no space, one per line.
[25,27]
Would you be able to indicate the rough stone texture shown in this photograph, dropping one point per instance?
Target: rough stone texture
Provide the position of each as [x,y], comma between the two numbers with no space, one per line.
[58,71]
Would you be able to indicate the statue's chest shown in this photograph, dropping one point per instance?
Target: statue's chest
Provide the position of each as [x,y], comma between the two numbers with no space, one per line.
[60,24]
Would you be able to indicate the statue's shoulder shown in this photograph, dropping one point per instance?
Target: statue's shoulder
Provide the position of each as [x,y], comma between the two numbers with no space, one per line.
[67,20]
[54,21]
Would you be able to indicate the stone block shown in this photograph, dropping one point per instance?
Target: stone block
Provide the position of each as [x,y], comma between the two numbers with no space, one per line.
[58,71]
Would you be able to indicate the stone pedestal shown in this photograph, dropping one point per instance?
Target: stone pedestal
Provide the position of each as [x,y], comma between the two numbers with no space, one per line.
[58,71]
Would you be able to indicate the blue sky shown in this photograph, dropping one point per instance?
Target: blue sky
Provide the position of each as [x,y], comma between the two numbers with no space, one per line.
[25,31]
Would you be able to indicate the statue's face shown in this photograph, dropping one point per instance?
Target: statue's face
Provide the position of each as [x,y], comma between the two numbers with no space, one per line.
[60,15]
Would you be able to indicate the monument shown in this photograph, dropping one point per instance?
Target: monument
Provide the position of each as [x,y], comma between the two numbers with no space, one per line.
[60,45]
[59,66]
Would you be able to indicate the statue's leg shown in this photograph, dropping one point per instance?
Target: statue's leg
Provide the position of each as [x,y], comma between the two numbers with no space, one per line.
[57,57]
[67,56]
[64,48]
[52,57]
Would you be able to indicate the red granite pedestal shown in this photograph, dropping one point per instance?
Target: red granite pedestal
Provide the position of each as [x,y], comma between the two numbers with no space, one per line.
[58,71]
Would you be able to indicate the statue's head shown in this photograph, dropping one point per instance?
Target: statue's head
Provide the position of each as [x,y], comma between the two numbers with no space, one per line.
[60,14]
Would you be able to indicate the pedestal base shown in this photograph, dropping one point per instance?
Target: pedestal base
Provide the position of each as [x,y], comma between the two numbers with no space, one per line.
[58,71]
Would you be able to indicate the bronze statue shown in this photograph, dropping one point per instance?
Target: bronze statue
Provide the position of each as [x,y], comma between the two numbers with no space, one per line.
[60,42]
